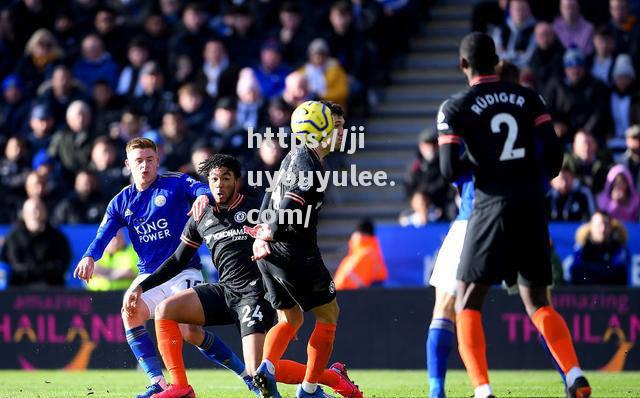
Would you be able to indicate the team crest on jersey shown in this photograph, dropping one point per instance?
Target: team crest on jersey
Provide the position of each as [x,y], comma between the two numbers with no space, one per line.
[305,183]
[240,217]
[160,200]
[332,287]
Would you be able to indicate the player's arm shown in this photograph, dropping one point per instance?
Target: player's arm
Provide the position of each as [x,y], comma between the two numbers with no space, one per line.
[111,223]
[199,193]
[552,152]
[453,160]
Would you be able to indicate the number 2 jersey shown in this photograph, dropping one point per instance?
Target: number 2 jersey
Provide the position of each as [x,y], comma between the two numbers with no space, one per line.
[154,218]
[510,142]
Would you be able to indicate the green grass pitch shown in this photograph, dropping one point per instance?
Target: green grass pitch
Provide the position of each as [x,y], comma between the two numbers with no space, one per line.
[374,383]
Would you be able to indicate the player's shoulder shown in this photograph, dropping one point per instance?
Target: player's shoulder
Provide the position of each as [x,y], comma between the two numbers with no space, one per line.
[123,196]
[171,175]
[454,102]
[305,159]
[250,202]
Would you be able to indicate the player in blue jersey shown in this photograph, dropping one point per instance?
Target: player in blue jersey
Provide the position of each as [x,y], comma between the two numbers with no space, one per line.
[155,209]
[442,328]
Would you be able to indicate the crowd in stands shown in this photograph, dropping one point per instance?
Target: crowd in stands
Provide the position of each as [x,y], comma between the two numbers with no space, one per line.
[583,57]
[79,78]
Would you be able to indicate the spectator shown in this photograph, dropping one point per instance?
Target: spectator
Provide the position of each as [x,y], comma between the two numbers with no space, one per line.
[325,75]
[104,164]
[129,82]
[14,111]
[601,62]
[131,125]
[364,265]
[190,36]
[37,186]
[568,200]
[107,107]
[40,56]
[14,168]
[291,34]
[625,29]
[71,146]
[546,60]
[95,63]
[421,213]
[271,72]
[619,198]
[351,48]
[59,92]
[178,141]
[158,34]
[199,155]
[579,101]
[244,42]
[588,165]
[42,125]
[183,72]
[117,268]
[225,135]
[424,175]
[506,71]
[154,101]
[82,206]
[514,39]
[37,253]
[297,90]
[269,156]
[251,106]
[602,257]
[114,37]
[631,158]
[11,45]
[194,110]
[31,16]
[488,15]
[625,102]
[218,75]
[279,113]
[66,31]
[572,29]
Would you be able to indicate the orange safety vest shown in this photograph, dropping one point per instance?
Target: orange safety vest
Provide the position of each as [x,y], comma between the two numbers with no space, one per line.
[363,265]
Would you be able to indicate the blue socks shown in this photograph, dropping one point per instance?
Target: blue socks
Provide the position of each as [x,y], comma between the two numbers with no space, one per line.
[216,350]
[144,351]
[439,345]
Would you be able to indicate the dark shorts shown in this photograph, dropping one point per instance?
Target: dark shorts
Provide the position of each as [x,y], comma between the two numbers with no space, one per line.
[249,310]
[302,280]
[507,241]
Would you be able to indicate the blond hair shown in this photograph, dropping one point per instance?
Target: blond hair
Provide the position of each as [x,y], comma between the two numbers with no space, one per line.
[43,35]
[141,143]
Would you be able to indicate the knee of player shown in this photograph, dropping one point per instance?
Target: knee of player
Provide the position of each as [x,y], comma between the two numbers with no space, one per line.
[192,334]
[445,307]
[131,318]
[294,317]
[163,310]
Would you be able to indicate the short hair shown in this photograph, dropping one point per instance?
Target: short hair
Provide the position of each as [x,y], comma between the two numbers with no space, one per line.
[219,160]
[508,71]
[336,109]
[78,106]
[480,51]
[604,30]
[189,89]
[141,143]
[366,227]
[342,6]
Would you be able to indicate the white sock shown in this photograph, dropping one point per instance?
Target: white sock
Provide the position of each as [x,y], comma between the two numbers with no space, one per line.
[160,380]
[482,391]
[573,374]
[270,367]
[309,388]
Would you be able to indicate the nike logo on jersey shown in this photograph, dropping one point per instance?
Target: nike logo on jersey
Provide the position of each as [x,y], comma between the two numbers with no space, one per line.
[207,238]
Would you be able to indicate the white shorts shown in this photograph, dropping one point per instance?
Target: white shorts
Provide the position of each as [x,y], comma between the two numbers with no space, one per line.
[445,270]
[189,277]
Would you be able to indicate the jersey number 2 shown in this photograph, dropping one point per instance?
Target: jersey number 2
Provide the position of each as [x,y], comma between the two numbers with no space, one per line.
[508,151]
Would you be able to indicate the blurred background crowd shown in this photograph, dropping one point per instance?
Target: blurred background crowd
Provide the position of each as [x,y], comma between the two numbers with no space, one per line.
[79,78]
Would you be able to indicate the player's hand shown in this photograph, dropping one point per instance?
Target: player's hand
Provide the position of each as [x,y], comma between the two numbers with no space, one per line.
[131,300]
[199,206]
[261,249]
[84,269]
[260,231]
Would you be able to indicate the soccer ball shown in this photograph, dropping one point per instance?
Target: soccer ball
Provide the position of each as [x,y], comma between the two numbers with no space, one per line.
[312,122]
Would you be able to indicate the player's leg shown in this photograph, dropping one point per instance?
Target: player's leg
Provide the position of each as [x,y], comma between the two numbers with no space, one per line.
[440,339]
[336,377]
[181,307]
[140,343]
[441,333]
[320,344]
[557,336]
[471,338]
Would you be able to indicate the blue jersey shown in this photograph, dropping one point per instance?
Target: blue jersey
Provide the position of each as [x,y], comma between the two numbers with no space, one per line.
[154,218]
[466,189]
